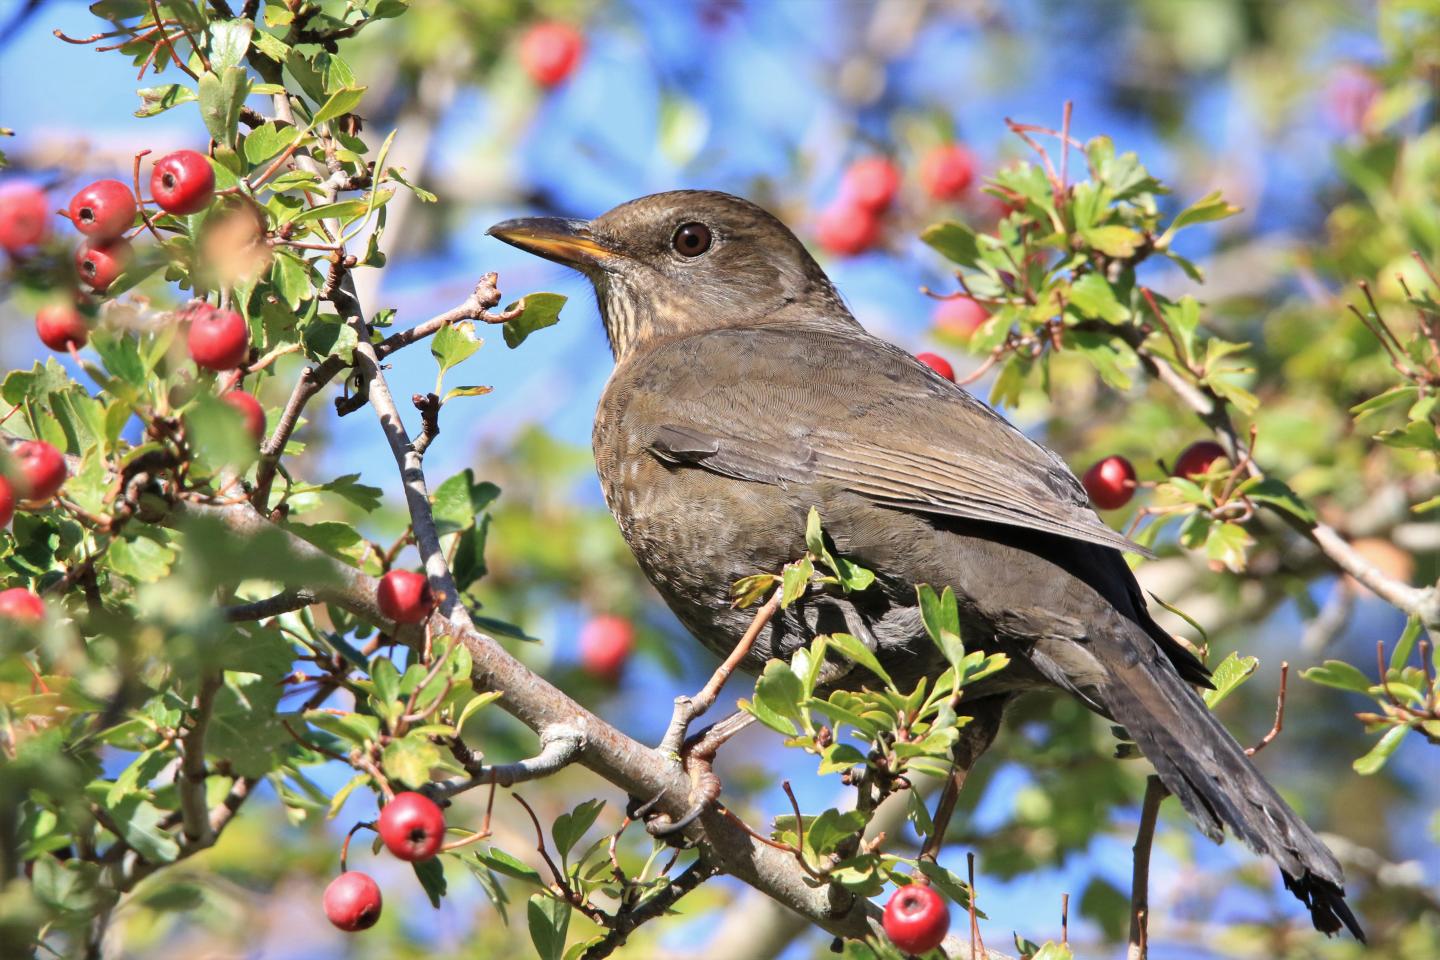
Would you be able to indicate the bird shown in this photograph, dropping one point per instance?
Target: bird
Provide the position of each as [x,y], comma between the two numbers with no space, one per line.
[744,393]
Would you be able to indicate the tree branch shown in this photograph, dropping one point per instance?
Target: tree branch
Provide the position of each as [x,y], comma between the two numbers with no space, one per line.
[1139,947]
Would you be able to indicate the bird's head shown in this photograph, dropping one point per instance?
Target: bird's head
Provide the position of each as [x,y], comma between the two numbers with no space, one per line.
[684,262]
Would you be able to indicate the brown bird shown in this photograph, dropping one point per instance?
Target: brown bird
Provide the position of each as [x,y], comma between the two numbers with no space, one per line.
[745,392]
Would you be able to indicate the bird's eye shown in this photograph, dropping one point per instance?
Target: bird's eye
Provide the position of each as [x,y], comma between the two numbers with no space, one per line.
[691,239]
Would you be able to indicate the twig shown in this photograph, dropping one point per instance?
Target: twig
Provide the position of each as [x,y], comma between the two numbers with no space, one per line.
[687,709]
[1279,714]
[560,746]
[1155,792]
[270,607]
[655,905]
[190,779]
[977,943]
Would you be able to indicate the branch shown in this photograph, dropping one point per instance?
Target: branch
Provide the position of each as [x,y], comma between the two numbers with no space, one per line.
[190,779]
[1139,948]
[1421,602]
[651,907]
[560,746]
[283,602]
[619,759]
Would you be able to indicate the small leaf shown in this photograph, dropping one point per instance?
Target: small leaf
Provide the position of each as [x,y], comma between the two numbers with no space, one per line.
[1114,241]
[221,97]
[502,862]
[1340,675]
[538,311]
[1373,761]
[459,500]
[549,920]
[861,654]
[1227,677]
[340,102]
[795,581]
[454,343]
[431,874]
[954,241]
[570,827]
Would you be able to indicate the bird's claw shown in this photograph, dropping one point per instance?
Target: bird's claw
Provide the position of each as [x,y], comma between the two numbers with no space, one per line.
[707,791]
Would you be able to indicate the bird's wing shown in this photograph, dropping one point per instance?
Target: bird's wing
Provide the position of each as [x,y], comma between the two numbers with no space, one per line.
[783,406]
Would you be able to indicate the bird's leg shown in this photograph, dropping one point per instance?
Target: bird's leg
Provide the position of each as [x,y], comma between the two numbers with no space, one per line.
[698,753]
[975,738]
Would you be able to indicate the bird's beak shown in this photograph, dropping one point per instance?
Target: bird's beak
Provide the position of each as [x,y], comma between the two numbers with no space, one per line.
[570,242]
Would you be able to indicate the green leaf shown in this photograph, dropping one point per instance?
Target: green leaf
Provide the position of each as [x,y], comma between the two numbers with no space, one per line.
[549,919]
[460,500]
[1406,644]
[1093,296]
[795,581]
[779,695]
[538,311]
[472,391]
[326,336]
[410,759]
[431,874]
[954,241]
[941,616]
[1227,544]
[139,821]
[502,862]
[69,885]
[570,827]
[267,140]
[1209,207]
[1227,677]
[1375,760]
[454,343]
[1340,675]
[1114,241]
[1277,494]
[221,97]
[229,43]
[861,654]
[156,100]
[340,102]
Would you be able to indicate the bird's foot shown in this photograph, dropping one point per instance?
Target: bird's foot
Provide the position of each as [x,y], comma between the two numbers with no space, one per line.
[697,755]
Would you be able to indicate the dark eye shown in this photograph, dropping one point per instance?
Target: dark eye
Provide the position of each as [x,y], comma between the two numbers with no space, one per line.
[691,240]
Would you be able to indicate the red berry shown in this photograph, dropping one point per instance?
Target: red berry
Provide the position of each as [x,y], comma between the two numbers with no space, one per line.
[24,221]
[959,316]
[937,363]
[20,605]
[916,918]
[352,901]
[252,414]
[1196,459]
[412,826]
[219,339]
[103,210]
[183,182]
[1110,483]
[42,469]
[60,326]
[871,184]
[404,596]
[947,171]
[99,264]
[7,502]
[605,645]
[550,51]
[845,229]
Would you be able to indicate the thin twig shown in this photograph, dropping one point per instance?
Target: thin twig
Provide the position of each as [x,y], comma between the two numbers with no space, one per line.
[1155,792]
[1279,714]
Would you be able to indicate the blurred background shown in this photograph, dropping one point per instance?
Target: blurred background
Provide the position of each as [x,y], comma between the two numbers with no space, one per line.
[1282,104]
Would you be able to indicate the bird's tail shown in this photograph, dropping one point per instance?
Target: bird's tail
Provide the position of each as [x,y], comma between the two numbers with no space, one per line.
[1201,764]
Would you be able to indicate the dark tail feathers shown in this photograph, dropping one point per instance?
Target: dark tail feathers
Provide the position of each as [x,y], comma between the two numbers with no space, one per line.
[1202,765]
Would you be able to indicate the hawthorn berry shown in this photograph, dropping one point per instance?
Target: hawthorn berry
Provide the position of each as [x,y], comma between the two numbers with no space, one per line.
[100,263]
[21,606]
[959,316]
[183,182]
[60,326]
[103,210]
[7,502]
[1195,459]
[1110,482]
[219,340]
[41,468]
[24,221]
[846,230]
[550,51]
[352,901]
[412,826]
[937,363]
[251,413]
[605,645]
[871,184]
[404,596]
[947,171]
[916,918]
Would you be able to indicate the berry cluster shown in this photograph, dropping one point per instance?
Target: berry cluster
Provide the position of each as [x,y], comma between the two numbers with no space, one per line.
[412,827]
[868,189]
[37,471]
[1111,482]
